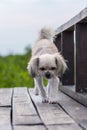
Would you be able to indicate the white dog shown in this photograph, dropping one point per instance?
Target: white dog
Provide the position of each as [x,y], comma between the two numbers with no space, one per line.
[46,62]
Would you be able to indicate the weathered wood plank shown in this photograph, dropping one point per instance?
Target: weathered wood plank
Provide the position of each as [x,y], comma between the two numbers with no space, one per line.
[77,111]
[5,96]
[8,127]
[84,124]
[5,118]
[68,25]
[64,127]
[68,53]
[50,113]
[70,90]
[34,127]
[23,109]
[81,56]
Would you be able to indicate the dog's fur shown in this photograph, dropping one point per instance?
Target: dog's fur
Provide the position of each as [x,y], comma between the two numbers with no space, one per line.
[46,62]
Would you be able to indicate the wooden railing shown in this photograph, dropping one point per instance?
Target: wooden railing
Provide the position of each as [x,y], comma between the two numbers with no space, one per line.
[71,40]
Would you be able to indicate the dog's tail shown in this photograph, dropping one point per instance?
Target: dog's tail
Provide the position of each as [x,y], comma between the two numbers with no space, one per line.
[45,33]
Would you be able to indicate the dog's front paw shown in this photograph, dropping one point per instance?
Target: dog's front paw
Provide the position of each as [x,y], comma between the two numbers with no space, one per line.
[53,100]
[44,100]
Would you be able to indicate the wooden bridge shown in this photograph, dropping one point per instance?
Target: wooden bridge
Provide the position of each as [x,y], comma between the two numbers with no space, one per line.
[20,109]
[71,40]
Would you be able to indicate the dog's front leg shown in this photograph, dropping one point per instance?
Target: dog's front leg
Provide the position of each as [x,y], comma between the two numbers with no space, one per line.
[52,90]
[39,84]
[36,88]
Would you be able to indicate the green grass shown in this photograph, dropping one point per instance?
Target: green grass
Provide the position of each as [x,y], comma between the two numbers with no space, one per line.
[13,71]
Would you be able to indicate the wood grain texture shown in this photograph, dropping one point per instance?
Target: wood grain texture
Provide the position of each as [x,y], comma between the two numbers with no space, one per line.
[83,124]
[5,97]
[25,113]
[67,43]
[23,109]
[64,127]
[81,17]
[81,56]
[70,91]
[7,127]
[5,118]
[77,111]
[50,113]
[35,127]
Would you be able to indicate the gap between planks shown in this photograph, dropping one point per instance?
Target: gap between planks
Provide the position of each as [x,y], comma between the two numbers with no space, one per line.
[5,108]
[24,112]
[53,115]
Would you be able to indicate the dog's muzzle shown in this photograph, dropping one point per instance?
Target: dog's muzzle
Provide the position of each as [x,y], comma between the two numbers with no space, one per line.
[48,75]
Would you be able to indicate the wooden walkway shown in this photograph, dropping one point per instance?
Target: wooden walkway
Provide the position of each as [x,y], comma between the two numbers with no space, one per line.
[20,109]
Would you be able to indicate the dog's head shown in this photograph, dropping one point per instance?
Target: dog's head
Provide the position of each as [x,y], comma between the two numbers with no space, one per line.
[47,65]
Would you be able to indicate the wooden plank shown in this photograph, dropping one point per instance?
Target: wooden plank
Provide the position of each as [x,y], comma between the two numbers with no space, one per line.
[70,90]
[34,127]
[84,124]
[50,113]
[67,43]
[77,111]
[57,42]
[5,96]
[5,118]
[68,25]
[8,127]
[81,56]
[23,109]
[64,127]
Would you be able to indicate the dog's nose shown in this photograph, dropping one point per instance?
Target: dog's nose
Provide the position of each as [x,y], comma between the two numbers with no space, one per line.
[48,76]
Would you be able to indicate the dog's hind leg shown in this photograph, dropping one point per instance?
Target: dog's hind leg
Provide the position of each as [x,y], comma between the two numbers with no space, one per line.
[39,85]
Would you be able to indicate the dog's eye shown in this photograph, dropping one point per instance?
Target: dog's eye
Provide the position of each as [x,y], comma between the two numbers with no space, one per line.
[53,68]
[42,69]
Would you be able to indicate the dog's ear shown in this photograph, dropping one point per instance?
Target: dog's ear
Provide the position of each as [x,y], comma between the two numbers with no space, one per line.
[33,66]
[61,64]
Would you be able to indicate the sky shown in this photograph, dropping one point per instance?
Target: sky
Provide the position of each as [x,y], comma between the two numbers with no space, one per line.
[21,20]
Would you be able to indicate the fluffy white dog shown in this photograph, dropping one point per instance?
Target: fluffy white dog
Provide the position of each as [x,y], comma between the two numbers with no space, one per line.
[46,62]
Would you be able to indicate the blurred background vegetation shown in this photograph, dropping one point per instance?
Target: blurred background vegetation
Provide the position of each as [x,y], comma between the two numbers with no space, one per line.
[13,70]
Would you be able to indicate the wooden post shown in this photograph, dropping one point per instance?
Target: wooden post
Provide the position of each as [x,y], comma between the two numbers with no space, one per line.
[81,56]
[68,53]
[57,42]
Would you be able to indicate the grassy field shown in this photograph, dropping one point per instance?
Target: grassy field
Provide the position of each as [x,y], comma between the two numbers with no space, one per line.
[13,72]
